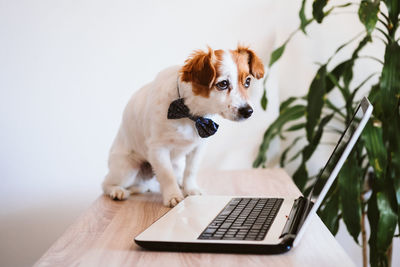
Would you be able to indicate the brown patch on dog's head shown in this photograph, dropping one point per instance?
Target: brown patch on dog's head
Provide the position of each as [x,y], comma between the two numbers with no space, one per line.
[255,64]
[200,69]
[247,63]
[243,69]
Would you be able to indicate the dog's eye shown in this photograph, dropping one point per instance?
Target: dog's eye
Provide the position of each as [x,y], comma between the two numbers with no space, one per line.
[223,84]
[247,82]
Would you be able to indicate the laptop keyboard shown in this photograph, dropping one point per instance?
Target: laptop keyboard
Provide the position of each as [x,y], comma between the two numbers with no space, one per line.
[243,219]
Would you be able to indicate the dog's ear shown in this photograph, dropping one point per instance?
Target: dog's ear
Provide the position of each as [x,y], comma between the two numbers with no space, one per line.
[199,68]
[255,64]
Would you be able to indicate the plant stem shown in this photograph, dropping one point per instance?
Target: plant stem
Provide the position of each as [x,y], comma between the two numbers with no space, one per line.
[386,17]
[364,237]
[383,22]
[380,38]
[384,33]
[389,253]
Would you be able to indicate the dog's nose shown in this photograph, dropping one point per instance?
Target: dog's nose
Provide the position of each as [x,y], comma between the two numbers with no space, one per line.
[245,111]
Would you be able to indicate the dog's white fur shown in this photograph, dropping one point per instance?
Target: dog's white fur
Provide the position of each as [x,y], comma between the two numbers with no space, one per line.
[171,146]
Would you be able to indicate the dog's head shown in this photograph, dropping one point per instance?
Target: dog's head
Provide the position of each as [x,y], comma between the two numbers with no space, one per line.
[220,81]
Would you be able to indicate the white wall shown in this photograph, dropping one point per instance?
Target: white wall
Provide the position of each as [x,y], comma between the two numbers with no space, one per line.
[67,69]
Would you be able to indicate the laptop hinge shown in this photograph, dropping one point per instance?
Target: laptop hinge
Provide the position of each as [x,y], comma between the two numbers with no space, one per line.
[301,208]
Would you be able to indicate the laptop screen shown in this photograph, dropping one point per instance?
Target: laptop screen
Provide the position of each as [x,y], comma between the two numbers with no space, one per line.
[336,154]
[335,163]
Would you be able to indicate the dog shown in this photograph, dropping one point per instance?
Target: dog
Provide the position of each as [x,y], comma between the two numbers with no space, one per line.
[166,123]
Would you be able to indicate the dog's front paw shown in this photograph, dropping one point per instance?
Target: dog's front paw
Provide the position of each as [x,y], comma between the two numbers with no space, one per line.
[172,199]
[192,191]
[119,193]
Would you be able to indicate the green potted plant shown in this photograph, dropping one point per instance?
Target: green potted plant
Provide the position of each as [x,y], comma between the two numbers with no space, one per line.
[368,186]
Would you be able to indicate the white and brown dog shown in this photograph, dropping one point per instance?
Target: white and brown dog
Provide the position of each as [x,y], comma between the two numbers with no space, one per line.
[151,138]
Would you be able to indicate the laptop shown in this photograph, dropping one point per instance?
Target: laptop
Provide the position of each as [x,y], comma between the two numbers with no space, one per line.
[255,225]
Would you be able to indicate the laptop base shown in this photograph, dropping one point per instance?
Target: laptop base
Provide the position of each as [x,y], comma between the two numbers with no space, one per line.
[241,248]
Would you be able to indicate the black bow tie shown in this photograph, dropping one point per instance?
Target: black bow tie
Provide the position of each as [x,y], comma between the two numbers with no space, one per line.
[205,127]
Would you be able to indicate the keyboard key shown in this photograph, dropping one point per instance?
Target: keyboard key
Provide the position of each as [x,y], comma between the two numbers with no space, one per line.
[210,231]
[226,225]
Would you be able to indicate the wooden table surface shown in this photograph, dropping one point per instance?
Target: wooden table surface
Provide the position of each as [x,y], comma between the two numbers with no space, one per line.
[103,235]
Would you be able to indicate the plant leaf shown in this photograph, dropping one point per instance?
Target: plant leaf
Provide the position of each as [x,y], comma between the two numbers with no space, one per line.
[315,99]
[343,46]
[373,217]
[336,73]
[360,46]
[382,220]
[321,181]
[302,16]
[373,96]
[344,69]
[287,115]
[393,7]
[286,103]
[394,143]
[332,107]
[373,141]
[264,100]
[387,221]
[318,12]
[296,127]
[295,156]
[391,130]
[390,80]
[286,151]
[349,181]
[348,76]
[368,14]
[310,148]
[276,54]
[361,85]
[329,213]
[300,176]
[335,81]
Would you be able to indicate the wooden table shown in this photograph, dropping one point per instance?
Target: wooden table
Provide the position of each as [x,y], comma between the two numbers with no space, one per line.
[103,236]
